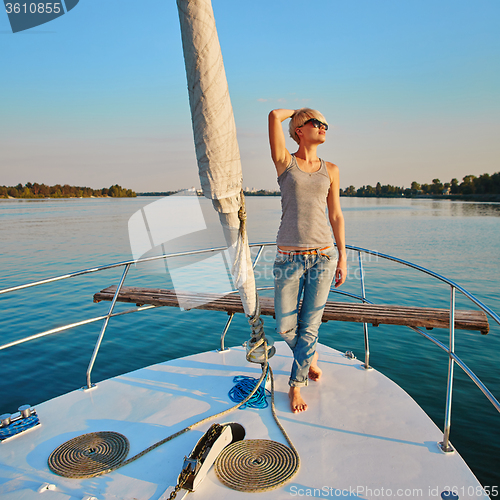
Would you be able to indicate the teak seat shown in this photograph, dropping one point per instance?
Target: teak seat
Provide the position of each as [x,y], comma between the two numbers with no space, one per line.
[426,317]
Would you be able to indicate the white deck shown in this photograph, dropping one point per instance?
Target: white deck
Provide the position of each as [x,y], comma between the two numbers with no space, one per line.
[361,437]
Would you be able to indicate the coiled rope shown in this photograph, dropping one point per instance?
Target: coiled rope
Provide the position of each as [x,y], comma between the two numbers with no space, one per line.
[72,459]
[257,465]
[243,387]
[89,455]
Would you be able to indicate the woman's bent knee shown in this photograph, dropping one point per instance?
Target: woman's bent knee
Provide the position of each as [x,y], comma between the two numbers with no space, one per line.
[289,336]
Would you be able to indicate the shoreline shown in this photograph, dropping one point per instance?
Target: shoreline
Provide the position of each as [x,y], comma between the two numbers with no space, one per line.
[493,198]
[481,198]
[34,198]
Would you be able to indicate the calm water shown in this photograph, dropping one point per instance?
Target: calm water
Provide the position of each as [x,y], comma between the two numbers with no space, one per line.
[47,238]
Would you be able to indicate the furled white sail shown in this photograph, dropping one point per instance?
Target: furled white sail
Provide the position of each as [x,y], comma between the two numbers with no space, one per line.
[216,144]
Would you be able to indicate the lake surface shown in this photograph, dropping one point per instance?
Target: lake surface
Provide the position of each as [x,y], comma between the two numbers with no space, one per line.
[44,238]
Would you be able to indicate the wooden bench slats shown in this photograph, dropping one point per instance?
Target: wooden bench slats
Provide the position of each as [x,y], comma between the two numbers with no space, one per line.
[337,311]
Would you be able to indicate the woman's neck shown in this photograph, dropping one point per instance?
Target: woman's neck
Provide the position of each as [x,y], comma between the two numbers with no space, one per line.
[307,153]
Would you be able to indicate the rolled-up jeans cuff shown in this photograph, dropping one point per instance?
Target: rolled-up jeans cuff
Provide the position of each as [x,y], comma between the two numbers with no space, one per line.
[295,383]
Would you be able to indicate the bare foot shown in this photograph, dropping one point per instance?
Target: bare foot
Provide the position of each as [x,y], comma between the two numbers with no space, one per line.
[314,370]
[297,404]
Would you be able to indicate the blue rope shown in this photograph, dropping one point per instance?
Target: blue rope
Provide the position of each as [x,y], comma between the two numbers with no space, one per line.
[19,426]
[244,386]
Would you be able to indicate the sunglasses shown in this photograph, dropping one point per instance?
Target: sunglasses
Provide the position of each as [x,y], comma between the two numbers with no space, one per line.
[316,123]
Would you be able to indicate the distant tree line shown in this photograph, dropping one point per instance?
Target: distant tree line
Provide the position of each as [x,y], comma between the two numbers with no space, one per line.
[157,193]
[36,190]
[485,184]
[262,192]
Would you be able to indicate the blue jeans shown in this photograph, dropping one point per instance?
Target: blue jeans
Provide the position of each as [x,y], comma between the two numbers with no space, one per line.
[298,324]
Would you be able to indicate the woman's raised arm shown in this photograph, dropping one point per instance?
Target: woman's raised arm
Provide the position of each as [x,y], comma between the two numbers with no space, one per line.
[279,153]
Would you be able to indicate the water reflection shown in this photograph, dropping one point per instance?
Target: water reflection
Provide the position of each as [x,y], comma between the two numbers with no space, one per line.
[477,209]
[419,206]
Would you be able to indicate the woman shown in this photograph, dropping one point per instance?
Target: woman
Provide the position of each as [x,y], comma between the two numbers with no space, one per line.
[306,260]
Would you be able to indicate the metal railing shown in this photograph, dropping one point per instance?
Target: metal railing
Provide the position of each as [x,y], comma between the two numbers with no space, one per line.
[449,349]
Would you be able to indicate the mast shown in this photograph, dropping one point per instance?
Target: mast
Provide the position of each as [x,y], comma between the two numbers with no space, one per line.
[216,145]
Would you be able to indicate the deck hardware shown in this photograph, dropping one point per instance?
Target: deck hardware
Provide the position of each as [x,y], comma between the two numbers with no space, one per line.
[366,364]
[446,448]
[25,411]
[85,388]
[193,464]
[15,423]
[256,350]
[226,328]
[5,419]
[105,324]
[45,487]
[445,445]
[206,451]
[350,355]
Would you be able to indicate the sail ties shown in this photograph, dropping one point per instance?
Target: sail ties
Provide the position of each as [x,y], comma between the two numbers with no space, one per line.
[242,267]
[242,215]
[255,321]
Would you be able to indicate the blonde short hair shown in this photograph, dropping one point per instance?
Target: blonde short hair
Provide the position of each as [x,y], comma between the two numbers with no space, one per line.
[300,117]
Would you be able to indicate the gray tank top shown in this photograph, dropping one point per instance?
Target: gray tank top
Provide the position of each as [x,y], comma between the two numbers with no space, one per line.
[304,223]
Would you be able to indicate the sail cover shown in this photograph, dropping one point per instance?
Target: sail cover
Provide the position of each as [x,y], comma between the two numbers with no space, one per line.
[216,145]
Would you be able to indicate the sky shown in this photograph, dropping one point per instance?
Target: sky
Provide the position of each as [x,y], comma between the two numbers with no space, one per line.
[410,88]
